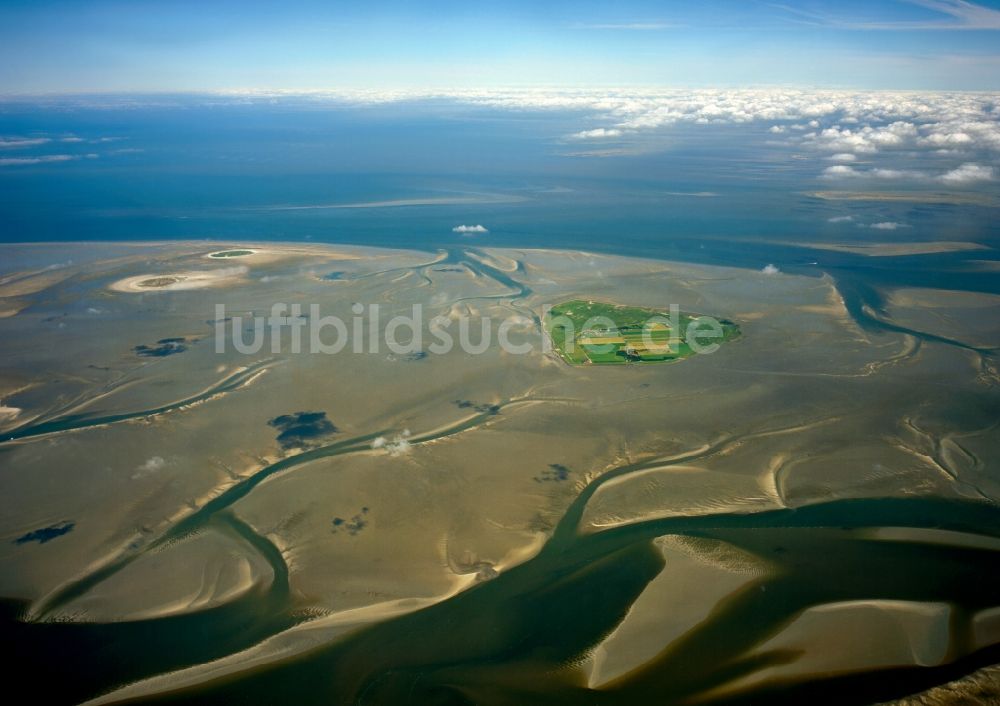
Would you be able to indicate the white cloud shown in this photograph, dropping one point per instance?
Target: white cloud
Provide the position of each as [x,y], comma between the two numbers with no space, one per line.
[840,219]
[948,139]
[967,15]
[883,173]
[9,143]
[16,161]
[967,173]
[842,157]
[884,225]
[845,172]
[860,122]
[841,172]
[151,465]
[770,269]
[960,14]
[465,230]
[866,139]
[397,446]
[596,134]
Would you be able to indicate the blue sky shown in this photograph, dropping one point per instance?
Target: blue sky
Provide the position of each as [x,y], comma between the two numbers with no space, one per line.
[137,45]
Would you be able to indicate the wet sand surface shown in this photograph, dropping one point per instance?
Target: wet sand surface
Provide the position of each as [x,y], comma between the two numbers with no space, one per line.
[807,515]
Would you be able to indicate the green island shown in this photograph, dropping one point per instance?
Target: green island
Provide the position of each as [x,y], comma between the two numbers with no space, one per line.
[231,253]
[585,332]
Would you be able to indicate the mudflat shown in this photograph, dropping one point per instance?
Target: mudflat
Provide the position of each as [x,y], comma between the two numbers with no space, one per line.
[488,524]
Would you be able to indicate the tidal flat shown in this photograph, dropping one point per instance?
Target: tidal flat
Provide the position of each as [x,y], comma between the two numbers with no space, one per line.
[806,515]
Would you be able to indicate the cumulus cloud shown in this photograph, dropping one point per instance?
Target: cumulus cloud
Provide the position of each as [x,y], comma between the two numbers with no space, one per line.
[877,116]
[884,225]
[151,465]
[466,230]
[866,139]
[883,173]
[831,122]
[842,157]
[770,269]
[840,172]
[857,122]
[396,446]
[840,219]
[967,174]
[597,133]
[948,140]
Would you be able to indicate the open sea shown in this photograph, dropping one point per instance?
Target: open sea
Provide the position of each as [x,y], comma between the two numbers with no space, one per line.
[405,174]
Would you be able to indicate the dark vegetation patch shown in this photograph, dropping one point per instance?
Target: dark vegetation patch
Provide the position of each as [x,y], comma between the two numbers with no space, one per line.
[555,473]
[156,282]
[46,534]
[480,407]
[486,574]
[351,526]
[300,428]
[231,253]
[163,347]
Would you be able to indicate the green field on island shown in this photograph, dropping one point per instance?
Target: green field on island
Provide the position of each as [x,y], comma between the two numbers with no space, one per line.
[231,253]
[591,332]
